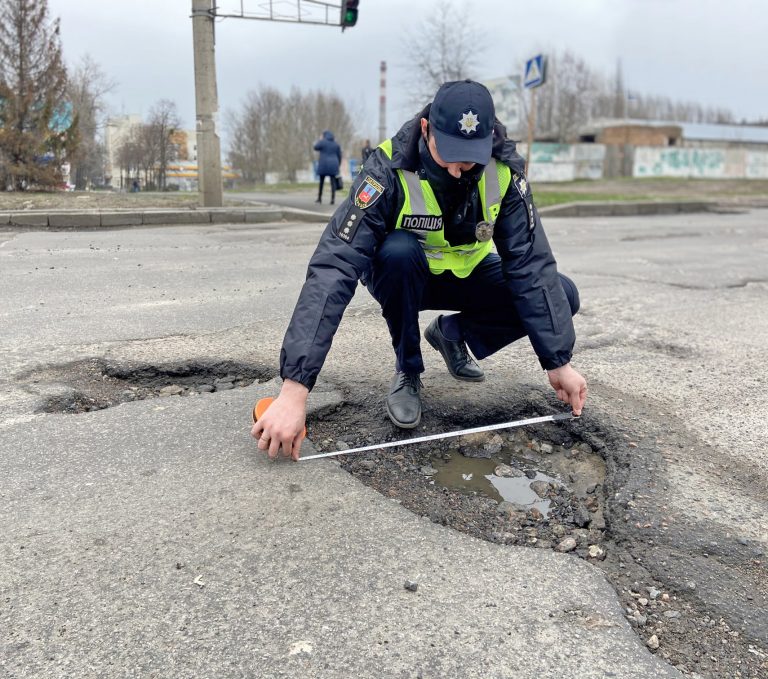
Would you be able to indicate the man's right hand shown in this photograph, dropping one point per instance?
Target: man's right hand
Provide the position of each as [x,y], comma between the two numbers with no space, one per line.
[569,386]
[281,427]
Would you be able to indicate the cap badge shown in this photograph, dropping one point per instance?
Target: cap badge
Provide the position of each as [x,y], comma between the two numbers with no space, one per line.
[468,122]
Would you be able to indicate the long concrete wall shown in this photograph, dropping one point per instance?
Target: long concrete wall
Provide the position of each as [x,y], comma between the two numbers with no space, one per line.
[710,163]
[565,162]
[568,162]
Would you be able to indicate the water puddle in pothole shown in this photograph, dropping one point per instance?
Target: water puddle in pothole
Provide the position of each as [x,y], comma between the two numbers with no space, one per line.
[495,479]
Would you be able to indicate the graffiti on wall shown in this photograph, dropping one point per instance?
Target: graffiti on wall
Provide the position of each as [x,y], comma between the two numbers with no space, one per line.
[700,163]
[666,162]
[569,162]
[565,162]
[756,163]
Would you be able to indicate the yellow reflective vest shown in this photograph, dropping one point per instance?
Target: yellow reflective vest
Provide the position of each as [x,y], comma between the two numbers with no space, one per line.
[421,215]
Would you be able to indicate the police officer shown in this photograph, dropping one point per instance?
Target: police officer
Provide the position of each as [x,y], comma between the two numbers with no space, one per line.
[418,229]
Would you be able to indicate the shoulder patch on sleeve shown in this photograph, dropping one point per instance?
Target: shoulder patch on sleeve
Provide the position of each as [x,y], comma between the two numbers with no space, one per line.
[368,192]
[350,222]
[521,184]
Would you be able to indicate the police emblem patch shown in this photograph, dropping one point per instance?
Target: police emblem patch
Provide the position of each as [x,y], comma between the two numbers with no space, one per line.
[520,184]
[468,122]
[368,192]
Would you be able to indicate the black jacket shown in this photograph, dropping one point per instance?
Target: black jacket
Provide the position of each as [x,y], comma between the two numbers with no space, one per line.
[330,155]
[339,262]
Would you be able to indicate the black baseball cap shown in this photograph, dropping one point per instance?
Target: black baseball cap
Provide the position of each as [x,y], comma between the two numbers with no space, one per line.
[461,120]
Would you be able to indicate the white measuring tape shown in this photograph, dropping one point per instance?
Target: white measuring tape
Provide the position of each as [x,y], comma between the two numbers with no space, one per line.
[435,437]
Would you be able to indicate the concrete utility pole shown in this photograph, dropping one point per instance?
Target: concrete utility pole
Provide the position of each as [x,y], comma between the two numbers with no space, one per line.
[206,104]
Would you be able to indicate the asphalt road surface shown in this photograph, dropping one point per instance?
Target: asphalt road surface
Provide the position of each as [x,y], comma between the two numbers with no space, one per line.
[149,539]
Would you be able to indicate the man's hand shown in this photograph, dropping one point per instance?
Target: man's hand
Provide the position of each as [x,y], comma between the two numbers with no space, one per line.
[569,386]
[281,427]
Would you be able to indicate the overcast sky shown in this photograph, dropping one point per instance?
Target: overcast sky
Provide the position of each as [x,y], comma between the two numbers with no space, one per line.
[707,51]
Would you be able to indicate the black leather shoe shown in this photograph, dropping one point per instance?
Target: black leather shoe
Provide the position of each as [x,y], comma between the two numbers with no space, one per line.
[456,355]
[404,400]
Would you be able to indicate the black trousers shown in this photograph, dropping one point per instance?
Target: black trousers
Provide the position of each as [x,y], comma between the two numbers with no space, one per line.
[331,183]
[402,283]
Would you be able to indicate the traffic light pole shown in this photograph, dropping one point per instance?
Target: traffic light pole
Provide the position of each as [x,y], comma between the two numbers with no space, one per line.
[206,98]
[206,104]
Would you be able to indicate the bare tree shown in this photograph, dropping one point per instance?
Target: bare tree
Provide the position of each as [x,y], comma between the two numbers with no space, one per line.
[330,113]
[251,146]
[137,156]
[275,133]
[651,107]
[163,122]
[577,86]
[292,135]
[87,87]
[240,154]
[35,122]
[567,101]
[575,93]
[130,157]
[149,148]
[619,94]
[146,140]
[447,46]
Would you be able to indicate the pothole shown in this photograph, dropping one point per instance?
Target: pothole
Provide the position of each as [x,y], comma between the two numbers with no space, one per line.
[95,384]
[512,487]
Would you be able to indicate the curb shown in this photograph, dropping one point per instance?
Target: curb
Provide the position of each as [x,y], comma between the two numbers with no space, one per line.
[99,219]
[628,208]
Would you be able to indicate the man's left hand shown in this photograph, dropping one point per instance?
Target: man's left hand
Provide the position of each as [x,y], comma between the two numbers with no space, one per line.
[569,386]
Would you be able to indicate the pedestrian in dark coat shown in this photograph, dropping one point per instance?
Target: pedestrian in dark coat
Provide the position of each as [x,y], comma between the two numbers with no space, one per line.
[328,164]
[442,218]
[367,150]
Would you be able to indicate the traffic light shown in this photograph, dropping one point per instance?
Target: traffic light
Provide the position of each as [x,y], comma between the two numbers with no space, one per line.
[348,13]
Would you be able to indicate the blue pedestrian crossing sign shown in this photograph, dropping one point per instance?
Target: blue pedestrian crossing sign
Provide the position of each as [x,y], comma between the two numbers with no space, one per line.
[535,71]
